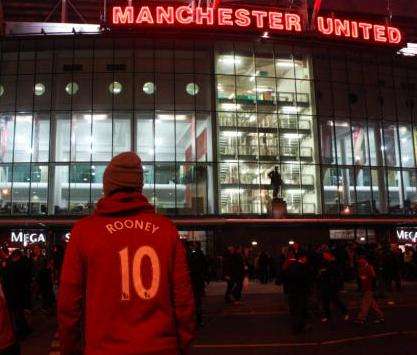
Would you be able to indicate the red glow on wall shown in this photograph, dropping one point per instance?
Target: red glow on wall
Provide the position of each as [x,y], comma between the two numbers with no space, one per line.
[258,19]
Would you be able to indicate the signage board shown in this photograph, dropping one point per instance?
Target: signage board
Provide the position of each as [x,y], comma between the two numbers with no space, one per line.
[26,237]
[268,20]
[406,235]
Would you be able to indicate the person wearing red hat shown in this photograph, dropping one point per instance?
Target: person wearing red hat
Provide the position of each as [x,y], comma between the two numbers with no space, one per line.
[125,286]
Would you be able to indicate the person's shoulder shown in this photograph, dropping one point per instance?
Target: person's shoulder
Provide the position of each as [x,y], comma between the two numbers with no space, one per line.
[83,222]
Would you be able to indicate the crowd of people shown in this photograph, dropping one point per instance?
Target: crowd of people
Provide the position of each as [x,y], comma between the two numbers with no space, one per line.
[29,277]
[313,276]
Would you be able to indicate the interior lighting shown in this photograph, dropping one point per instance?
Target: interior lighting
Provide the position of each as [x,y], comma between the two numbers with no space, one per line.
[232,134]
[290,109]
[231,191]
[24,118]
[231,107]
[292,135]
[254,243]
[230,59]
[286,63]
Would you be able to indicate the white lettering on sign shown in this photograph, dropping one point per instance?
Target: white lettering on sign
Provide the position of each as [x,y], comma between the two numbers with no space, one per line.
[407,235]
[27,238]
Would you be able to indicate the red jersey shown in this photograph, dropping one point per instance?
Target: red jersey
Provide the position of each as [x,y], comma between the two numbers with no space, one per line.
[125,278]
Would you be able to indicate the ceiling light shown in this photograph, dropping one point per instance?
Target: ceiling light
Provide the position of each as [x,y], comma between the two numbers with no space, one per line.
[290,109]
[292,135]
[287,63]
[230,59]
[231,134]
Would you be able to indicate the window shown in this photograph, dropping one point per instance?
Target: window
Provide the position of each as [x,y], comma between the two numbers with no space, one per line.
[115,88]
[149,88]
[71,88]
[192,89]
[39,89]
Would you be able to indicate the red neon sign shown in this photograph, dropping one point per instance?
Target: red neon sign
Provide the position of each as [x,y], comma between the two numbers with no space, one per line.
[336,27]
[212,17]
[265,20]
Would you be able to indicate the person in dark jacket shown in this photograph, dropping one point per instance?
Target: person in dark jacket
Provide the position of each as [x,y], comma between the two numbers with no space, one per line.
[330,280]
[297,286]
[15,288]
[237,273]
[263,264]
[198,272]
[227,273]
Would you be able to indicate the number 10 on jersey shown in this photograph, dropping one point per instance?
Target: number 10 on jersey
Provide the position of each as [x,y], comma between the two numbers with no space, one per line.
[141,291]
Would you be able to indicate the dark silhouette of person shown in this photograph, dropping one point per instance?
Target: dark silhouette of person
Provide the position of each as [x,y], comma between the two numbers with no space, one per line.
[276,182]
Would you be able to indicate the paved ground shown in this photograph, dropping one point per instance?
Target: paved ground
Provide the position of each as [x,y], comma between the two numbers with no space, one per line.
[260,326]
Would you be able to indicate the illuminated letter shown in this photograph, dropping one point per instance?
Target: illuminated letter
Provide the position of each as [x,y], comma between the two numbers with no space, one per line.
[165,16]
[275,21]
[379,33]
[224,17]
[354,28]
[200,16]
[292,21]
[110,228]
[259,15]
[341,27]
[128,223]
[242,17]
[145,15]
[365,27]
[320,25]
[118,225]
[394,35]
[179,14]
[122,17]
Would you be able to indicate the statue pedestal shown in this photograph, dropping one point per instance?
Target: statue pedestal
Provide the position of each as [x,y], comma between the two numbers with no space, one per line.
[278,208]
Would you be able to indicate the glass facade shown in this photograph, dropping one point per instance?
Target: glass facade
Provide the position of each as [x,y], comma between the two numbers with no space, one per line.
[210,120]
[367,123]
[265,107]
[67,105]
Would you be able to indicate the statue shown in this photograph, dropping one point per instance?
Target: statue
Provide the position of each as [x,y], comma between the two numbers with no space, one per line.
[276,182]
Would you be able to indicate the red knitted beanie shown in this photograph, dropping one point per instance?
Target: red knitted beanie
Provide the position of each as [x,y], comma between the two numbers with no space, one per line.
[124,172]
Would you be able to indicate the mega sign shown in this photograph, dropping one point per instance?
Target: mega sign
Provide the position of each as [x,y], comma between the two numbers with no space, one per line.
[407,235]
[261,19]
[27,237]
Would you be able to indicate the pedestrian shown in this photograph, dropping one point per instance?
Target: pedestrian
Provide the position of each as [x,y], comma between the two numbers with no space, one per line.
[367,278]
[297,284]
[237,273]
[15,292]
[198,271]
[43,278]
[125,275]
[330,281]
[227,273]
[263,263]
[8,342]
